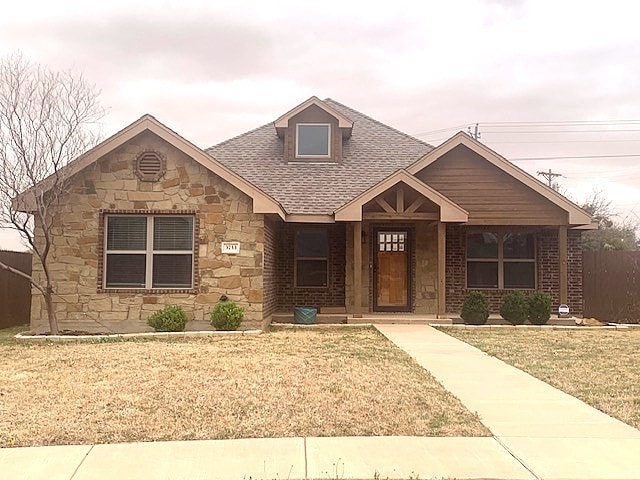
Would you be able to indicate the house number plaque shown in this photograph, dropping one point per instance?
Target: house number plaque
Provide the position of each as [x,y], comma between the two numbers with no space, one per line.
[230,247]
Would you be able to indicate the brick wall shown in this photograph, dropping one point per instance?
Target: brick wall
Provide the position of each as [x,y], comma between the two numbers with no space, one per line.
[270,276]
[289,295]
[574,262]
[548,276]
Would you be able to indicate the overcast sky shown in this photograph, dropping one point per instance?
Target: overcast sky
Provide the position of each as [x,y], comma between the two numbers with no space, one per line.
[212,70]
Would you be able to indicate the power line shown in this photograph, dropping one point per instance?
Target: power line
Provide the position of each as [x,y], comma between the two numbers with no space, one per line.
[523,159]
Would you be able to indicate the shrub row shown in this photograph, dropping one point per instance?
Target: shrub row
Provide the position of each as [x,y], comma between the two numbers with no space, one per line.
[516,308]
[226,315]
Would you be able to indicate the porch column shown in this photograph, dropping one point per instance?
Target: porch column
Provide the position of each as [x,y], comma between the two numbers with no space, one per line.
[562,259]
[357,269]
[441,285]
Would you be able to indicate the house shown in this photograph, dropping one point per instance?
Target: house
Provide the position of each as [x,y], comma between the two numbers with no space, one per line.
[324,207]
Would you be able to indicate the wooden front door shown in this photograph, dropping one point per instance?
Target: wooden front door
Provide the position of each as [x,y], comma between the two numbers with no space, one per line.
[391,271]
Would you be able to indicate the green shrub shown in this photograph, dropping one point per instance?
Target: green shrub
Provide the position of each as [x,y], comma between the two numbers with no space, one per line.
[475,309]
[226,315]
[514,308]
[539,308]
[170,319]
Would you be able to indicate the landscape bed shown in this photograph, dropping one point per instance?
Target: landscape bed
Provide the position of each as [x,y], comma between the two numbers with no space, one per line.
[285,383]
[599,366]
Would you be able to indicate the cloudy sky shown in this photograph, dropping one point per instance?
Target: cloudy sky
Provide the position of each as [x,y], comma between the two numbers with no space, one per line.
[551,79]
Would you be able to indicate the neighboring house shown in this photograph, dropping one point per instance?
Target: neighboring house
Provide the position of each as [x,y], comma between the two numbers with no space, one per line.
[330,209]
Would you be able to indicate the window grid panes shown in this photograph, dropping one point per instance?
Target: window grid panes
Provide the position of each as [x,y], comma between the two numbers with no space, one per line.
[147,251]
[498,260]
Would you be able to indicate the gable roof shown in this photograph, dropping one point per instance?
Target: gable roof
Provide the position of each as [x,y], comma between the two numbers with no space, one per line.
[283,121]
[576,215]
[262,203]
[370,155]
[449,211]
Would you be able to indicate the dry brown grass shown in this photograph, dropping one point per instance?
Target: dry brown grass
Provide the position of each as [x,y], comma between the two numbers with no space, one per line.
[327,382]
[600,367]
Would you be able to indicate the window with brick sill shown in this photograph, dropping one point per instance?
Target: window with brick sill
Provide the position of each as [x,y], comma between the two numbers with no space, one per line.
[148,252]
[311,258]
[501,260]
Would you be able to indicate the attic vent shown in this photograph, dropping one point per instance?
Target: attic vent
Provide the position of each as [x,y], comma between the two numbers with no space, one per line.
[150,166]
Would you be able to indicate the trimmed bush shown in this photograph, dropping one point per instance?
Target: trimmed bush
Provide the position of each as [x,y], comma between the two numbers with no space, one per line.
[514,308]
[170,319]
[539,308]
[475,309]
[226,315]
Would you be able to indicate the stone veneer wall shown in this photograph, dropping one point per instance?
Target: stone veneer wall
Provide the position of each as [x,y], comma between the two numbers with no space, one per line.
[223,213]
[548,270]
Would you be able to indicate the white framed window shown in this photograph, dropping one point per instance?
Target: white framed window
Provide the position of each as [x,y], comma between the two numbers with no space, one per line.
[148,251]
[313,140]
[501,260]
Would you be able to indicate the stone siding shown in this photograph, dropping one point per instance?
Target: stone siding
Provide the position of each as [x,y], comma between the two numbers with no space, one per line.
[223,213]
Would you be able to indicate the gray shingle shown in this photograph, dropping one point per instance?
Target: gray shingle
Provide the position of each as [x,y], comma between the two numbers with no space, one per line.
[373,152]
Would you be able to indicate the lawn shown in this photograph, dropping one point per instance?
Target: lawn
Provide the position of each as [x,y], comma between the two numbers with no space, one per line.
[312,382]
[600,367]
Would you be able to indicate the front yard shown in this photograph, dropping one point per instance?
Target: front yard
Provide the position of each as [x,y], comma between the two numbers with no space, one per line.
[324,382]
[600,367]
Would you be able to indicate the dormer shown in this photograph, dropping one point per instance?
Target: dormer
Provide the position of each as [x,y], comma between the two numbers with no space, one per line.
[313,132]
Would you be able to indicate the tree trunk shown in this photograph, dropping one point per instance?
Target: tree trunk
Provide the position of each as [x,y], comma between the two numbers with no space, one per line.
[51,313]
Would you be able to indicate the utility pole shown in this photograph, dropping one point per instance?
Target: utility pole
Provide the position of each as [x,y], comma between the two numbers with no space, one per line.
[475,133]
[549,176]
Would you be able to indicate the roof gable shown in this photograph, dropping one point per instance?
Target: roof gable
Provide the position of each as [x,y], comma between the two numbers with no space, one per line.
[449,211]
[283,122]
[262,203]
[576,215]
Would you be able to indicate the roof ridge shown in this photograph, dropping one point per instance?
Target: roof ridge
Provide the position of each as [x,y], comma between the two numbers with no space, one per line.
[379,122]
[238,136]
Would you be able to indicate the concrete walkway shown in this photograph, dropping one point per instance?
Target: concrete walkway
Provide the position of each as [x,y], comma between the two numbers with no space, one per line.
[554,435]
[540,433]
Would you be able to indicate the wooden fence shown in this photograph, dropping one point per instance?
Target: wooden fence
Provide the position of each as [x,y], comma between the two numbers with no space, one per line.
[15,291]
[611,282]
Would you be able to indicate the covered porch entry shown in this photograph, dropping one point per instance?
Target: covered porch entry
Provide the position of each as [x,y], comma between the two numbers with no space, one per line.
[396,245]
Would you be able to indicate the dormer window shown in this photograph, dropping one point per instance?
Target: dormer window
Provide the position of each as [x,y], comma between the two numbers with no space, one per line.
[313,140]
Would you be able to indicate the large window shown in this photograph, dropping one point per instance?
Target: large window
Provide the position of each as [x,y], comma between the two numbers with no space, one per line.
[311,258]
[313,140]
[501,260]
[149,251]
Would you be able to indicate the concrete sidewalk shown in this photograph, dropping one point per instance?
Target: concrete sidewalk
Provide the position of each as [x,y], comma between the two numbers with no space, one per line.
[553,434]
[269,459]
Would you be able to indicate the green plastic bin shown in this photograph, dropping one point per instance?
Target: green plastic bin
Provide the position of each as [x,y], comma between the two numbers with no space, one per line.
[305,315]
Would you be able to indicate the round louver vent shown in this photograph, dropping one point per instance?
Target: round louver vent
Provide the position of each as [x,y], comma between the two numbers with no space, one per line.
[150,166]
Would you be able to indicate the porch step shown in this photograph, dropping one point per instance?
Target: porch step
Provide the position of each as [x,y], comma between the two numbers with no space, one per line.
[399,319]
[322,318]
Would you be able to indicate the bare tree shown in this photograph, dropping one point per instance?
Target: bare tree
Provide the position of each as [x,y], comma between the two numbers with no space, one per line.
[611,234]
[47,119]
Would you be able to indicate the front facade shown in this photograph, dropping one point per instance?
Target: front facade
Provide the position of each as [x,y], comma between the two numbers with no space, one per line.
[325,207]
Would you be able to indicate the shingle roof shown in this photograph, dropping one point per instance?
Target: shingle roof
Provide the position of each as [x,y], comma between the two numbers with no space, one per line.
[373,152]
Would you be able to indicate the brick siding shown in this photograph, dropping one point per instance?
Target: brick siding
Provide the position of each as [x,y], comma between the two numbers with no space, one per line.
[270,297]
[547,270]
[289,295]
